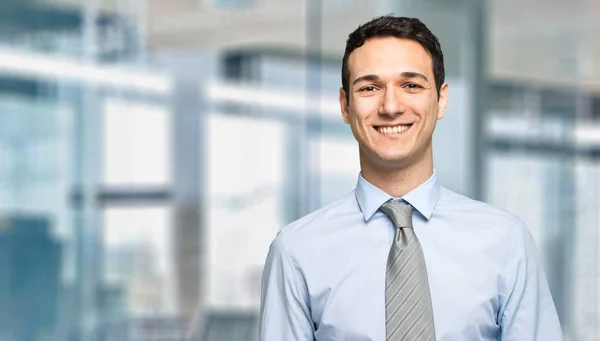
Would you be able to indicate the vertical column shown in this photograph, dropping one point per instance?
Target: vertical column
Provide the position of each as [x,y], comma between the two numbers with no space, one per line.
[188,204]
[582,324]
[312,121]
[558,235]
[87,163]
[560,222]
[477,24]
[585,270]
[559,238]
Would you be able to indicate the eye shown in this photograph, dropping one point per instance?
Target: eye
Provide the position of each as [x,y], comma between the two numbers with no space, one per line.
[368,88]
[413,86]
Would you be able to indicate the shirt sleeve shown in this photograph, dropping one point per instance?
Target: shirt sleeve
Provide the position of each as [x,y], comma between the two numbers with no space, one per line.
[527,311]
[284,310]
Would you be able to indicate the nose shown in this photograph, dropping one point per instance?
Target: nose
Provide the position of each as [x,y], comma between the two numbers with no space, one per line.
[391,104]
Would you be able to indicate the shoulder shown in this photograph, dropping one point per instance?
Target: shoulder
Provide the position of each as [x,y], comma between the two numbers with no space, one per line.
[451,201]
[505,227]
[315,221]
[301,233]
[498,229]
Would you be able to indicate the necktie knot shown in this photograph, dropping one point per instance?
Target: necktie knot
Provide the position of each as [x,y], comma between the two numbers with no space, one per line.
[399,212]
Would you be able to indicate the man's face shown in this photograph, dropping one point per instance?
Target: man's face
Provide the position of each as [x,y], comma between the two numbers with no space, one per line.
[393,103]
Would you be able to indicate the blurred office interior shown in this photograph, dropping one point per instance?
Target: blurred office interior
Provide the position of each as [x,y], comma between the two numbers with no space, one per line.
[150,150]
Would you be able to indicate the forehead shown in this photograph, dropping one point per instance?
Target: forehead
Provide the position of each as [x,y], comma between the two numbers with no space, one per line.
[390,55]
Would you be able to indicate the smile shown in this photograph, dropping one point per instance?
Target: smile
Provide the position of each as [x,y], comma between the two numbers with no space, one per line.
[394,129]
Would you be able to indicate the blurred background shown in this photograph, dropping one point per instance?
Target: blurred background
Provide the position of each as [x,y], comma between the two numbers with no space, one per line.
[150,150]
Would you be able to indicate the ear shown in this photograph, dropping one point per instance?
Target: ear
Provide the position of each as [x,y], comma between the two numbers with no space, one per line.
[442,101]
[344,105]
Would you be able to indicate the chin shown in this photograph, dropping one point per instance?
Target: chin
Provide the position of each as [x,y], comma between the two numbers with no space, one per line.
[390,157]
[394,160]
[394,153]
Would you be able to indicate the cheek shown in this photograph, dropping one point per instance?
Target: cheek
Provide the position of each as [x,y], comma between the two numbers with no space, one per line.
[426,110]
[428,122]
[364,107]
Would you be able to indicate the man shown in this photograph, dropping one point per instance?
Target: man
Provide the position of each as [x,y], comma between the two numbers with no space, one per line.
[401,257]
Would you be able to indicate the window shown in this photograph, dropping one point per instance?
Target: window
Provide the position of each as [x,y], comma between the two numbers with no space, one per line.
[137,258]
[245,177]
[338,167]
[137,143]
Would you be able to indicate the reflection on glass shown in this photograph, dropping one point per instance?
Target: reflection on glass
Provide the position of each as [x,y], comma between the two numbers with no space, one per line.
[138,258]
[338,166]
[36,239]
[137,144]
[246,162]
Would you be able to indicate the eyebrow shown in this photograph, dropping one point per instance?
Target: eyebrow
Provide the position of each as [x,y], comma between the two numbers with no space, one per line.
[405,74]
[409,74]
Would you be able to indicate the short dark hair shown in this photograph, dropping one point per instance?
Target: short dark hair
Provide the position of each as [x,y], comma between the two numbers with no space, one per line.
[399,27]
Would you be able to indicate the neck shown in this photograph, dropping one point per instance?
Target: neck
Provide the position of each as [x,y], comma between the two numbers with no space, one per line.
[400,180]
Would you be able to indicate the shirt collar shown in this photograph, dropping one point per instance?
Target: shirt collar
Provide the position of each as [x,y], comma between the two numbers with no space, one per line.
[423,198]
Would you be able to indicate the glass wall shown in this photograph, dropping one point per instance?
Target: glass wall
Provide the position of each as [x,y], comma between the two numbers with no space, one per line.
[151,150]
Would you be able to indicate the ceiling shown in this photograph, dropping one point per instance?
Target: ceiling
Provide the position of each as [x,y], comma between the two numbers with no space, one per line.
[542,41]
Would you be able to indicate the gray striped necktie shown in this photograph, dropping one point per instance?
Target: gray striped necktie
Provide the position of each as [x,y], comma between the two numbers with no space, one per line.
[409,315]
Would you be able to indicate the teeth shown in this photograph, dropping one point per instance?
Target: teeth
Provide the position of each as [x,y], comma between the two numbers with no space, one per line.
[393,130]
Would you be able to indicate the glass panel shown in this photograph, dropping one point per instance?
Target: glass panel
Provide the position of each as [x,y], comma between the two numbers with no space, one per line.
[338,166]
[137,143]
[137,259]
[525,174]
[36,236]
[546,194]
[586,283]
[245,179]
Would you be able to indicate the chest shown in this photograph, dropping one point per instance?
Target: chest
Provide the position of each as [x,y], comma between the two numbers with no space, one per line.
[347,289]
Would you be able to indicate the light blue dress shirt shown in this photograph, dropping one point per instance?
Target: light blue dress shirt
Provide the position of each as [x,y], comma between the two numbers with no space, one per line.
[324,276]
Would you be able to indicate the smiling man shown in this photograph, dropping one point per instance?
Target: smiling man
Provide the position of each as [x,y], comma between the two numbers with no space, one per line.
[402,258]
